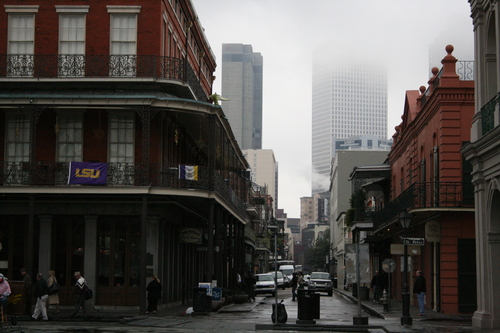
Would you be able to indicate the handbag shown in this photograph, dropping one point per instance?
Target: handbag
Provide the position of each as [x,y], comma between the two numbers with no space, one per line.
[54,288]
[88,294]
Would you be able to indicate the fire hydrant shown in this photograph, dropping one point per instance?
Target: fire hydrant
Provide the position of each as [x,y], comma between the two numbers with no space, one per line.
[385,300]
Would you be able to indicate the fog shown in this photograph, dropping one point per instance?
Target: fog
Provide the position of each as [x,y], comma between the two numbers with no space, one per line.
[286,32]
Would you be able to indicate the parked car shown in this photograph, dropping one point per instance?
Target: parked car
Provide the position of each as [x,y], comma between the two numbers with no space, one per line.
[265,284]
[321,281]
[281,279]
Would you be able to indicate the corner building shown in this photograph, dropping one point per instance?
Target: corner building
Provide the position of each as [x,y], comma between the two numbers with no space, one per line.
[123,85]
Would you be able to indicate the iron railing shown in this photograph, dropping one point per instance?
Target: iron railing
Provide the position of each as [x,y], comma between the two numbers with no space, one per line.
[487,114]
[100,66]
[119,175]
[426,195]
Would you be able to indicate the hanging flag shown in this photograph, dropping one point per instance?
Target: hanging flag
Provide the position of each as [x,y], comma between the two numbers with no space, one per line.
[85,173]
[188,172]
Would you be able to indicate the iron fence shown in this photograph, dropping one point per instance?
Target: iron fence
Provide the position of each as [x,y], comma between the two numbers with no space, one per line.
[426,195]
[120,175]
[487,114]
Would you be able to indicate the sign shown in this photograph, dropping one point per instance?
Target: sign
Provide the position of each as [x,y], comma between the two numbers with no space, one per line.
[433,231]
[414,241]
[206,285]
[413,250]
[216,294]
[191,235]
[389,265]
[86,173]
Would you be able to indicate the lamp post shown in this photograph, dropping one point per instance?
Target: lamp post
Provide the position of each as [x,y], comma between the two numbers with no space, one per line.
[406,319]
[275,230]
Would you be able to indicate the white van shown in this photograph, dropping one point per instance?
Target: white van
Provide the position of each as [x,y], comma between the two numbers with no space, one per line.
[287,271]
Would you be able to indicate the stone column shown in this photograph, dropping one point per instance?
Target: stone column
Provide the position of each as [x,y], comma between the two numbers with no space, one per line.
[90,255]
[44,250]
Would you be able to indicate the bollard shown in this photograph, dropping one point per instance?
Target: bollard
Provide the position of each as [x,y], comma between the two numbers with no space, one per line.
[385,300]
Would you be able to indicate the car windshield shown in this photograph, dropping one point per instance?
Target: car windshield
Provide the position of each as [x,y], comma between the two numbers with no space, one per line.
[322,276]
[287,271]
[279,275]
[264,278]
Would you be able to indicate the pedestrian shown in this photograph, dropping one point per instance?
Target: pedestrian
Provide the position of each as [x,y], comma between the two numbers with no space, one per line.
[28,288]
[294,283]
[250,282]
[419,288]
[154,294]
[41,294]
[300,280]
[376,285]
[53,298]
[80,291]
[4,292]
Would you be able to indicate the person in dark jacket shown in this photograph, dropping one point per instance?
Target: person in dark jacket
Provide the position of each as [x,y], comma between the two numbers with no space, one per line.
[294,284]
[80,290]
[420,289]
[41,294]
[154,294]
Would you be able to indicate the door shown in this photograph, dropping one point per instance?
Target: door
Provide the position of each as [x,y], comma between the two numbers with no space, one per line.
[467,301]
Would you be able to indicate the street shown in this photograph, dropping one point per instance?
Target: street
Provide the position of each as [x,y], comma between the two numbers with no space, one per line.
[335,311]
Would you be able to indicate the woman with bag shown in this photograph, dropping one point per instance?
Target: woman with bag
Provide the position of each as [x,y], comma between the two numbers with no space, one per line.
[53,297]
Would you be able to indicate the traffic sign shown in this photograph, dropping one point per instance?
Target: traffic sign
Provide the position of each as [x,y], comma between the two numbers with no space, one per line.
[388,265]
[414,241]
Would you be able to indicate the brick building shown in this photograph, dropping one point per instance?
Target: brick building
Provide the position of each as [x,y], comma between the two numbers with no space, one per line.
[430,177]
[122,85]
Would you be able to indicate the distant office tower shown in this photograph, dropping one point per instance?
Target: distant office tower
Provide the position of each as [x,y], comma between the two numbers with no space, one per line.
[349,98]
[242,85]
[264,170]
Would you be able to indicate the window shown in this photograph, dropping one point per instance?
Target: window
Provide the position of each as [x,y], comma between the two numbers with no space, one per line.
[17,144]
[121,138]
[123,32]
[21,40]
[69,128]
[71,40]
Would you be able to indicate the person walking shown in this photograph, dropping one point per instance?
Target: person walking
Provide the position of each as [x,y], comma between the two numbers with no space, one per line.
[41,294]
[250,282]
[154,294]
[294,283]
[300,280]
[419,288]
[53,298]
[80,290]
[376,285]
[28,284]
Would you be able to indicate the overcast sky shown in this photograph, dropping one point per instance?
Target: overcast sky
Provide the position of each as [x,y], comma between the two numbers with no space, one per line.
[286,32]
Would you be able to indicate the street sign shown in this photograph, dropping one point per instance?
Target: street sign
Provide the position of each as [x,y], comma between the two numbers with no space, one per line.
[388,265]
[414,241]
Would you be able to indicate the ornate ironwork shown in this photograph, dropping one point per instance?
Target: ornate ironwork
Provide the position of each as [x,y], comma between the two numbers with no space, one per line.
[465,70]
[119,175]
[427,195]
[487,113]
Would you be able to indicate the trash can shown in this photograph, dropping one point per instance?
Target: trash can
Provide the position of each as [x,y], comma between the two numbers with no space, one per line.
[201,301]
[308,307]
[355,290]
[335,283]
[364,294]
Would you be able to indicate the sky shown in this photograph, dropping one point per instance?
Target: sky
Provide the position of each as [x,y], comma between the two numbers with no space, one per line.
[286,32]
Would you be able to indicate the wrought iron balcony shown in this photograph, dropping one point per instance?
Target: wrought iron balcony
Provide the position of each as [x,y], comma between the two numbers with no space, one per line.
[120,175]
[427,195]
[99,66]
[487,114]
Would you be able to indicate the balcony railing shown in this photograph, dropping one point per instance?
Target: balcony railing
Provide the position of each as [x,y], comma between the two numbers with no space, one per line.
[99,66]
[119,175]
[487,114]
[427,195]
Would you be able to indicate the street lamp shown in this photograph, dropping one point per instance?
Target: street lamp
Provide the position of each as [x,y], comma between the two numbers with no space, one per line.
[406,319]
[275,231]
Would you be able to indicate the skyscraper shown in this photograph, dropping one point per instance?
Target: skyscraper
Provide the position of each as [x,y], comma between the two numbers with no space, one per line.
[349,98]
[242,85]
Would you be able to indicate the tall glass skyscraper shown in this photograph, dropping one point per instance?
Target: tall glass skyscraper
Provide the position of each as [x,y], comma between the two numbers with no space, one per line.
[349,98]
[242,85]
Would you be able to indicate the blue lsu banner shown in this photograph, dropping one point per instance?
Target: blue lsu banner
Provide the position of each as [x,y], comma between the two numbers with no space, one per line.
[86,173]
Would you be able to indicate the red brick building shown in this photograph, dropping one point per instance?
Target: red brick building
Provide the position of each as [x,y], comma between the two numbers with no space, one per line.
[123,85]
[430,177]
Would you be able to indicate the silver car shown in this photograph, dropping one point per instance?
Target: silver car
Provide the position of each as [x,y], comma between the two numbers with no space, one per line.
[265,284]
[321,281]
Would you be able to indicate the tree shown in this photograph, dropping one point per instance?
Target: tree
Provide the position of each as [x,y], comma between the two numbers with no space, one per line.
[315,255]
